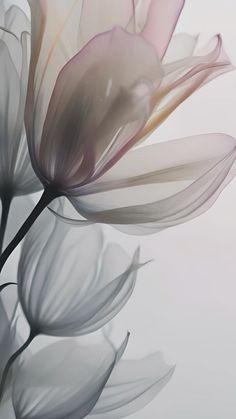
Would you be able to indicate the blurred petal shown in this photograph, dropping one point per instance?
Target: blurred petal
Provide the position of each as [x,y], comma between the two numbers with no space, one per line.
[64,380]
[161,185]
[15,166]
[104,93]
[16,21]
[181,46]
[132,385]
[9,104]
[7,411]
[66,290]
[101,306]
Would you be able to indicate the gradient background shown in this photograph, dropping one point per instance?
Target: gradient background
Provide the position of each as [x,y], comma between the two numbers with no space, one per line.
[185,301]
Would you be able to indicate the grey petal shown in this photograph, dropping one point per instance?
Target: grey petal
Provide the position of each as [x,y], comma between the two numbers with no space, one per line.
[132,385]
[63,380]
[66,289]
[161,185]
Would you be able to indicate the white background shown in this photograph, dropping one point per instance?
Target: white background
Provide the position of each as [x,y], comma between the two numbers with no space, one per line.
[185,301]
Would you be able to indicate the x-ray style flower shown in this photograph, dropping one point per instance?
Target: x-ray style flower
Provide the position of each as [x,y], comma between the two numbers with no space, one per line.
[76,380]
[16,174]
[90,101]
[69,283]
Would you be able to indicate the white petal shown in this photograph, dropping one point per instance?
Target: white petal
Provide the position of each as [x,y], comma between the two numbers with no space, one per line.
[162,185]
[132,385]
[102,305]
[99,16]
[15,165]
[182,45]
[55,27]
[9,108]
[101,92]
[63,380]
[160,23]
[64,287]
[16,21]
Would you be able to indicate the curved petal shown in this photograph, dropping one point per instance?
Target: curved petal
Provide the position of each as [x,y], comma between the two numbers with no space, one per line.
[160,23]
[64,380]
[54,40]
[41,280]
[15,165]
[103,93]
[161,185]
[181,46]
[102,305]
[16,21]
[66,290]
[132,385]
[9,107]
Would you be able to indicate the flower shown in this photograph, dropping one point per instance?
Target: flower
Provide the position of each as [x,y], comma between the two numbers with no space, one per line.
[90,101]
[16,174]
[17,177]
[72,379]
[69,282]
[85,110]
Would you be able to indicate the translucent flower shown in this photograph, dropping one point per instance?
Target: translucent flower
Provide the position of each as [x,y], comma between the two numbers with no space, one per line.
[96,92]
[16,174]
[72,380]
[69,282]
[109,95]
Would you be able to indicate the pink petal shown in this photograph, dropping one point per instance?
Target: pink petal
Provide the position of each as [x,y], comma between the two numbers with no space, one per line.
[100,101]
[162,185]
[162,18]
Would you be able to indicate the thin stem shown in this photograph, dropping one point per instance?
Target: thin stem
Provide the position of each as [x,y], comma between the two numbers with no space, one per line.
[6,285]
[12,359]
[6,203]
[47,196]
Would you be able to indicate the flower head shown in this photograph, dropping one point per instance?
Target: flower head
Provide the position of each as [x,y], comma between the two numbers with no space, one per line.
[97,92]
[66,285]
[76,380]
[16,174]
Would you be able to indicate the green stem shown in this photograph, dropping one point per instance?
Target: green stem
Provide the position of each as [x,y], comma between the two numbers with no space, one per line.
[47,196]
[12,359]
[6,203]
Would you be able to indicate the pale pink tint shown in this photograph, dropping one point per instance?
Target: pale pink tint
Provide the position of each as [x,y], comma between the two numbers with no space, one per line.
[161,21]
